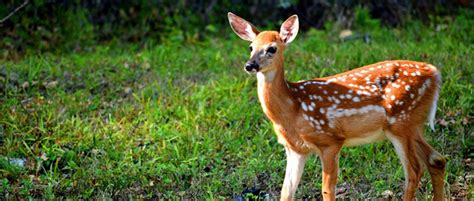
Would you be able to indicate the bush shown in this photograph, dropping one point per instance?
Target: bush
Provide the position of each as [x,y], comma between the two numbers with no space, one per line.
[61,25]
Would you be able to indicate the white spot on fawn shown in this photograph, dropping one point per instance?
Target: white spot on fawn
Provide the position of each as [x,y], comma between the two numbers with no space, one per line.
[356,99]
[304,106]
[305,117]
[330,80]
[334,113]
[289,101]
[392,120]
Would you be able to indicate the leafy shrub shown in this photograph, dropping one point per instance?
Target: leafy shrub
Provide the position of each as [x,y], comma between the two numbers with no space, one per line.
[62,25]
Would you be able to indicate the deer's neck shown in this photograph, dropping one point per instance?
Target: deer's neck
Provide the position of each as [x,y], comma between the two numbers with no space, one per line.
[274,94]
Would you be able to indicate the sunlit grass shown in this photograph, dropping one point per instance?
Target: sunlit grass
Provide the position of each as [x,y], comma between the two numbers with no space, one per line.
[183,120]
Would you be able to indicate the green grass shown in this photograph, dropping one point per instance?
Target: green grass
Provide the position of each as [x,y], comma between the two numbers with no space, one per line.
[182,120]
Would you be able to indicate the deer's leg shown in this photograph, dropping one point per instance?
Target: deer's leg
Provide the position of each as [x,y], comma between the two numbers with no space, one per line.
[435,163]
[405,146]
[330,161]
[294,169]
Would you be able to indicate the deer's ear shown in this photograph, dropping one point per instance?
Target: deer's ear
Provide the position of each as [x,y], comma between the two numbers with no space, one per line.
[289,29]
[242,28]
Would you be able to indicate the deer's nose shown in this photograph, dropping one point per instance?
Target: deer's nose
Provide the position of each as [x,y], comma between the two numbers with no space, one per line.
[251,66]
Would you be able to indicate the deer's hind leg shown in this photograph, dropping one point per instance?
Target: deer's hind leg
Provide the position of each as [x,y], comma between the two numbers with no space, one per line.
[435,164]
[404,141]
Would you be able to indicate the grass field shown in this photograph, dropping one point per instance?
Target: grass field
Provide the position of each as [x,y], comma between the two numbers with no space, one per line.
[181,119]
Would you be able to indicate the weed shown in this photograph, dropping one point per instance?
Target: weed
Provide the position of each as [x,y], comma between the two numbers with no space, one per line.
[183,121]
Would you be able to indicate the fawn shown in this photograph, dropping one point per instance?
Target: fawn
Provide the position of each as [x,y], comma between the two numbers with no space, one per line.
[389,99]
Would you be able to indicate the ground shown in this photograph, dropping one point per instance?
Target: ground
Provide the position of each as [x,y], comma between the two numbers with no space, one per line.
[181,119]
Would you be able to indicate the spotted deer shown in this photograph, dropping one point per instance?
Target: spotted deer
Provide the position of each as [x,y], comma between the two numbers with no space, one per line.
[389,99]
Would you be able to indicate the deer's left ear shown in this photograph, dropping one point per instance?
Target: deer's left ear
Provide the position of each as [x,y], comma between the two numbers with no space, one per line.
[289,29]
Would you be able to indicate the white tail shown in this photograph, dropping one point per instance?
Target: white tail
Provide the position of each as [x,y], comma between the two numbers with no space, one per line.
[435,103]
[389,99]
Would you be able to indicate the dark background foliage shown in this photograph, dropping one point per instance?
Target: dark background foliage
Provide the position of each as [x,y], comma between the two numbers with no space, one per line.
[63,25]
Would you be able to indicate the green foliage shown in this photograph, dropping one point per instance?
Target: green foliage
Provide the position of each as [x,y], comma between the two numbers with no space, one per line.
[363,21]
[75,26]
[181,120]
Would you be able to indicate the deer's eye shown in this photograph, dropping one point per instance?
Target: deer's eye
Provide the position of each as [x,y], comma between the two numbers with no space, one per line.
[250,48]
[271,50]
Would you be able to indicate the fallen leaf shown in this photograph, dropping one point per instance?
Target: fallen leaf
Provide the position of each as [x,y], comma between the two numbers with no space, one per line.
[25,85]
[450,114]
[51,84]
[443,122]
[388,194]
[441,27]
[345,34]
[127,90]
[146,65]
[465,121]
[44,157]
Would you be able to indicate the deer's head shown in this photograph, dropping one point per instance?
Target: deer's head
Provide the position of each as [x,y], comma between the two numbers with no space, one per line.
[267,47]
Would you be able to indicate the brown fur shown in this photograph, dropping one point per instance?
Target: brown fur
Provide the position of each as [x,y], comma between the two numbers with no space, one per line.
[393,97]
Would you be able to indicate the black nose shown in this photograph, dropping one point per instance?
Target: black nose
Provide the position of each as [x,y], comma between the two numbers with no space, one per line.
[251,65]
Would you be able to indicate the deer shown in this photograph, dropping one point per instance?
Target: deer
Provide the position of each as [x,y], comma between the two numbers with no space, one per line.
[387,100]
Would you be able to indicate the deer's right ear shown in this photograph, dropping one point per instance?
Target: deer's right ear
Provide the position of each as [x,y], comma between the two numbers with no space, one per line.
[242,28]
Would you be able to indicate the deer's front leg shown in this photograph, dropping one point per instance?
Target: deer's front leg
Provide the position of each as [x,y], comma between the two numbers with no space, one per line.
[294,169]
[330,161]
